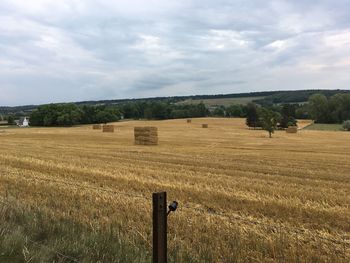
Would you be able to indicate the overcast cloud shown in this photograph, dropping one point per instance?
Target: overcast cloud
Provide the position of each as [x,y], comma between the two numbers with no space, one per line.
[73,50]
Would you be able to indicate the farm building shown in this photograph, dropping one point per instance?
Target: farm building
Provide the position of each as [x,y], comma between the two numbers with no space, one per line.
[22,122]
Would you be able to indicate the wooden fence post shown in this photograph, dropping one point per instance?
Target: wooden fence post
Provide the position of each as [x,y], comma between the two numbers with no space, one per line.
[159,227]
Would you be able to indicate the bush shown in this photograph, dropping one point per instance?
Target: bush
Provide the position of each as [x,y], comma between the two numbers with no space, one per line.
[346,125]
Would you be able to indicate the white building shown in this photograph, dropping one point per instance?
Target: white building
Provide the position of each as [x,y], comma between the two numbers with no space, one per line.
[23,122]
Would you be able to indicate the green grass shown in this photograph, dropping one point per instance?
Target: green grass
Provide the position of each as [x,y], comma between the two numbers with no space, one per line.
[9,127]
[222,101]
[31,234]
[325,127]
[28,234]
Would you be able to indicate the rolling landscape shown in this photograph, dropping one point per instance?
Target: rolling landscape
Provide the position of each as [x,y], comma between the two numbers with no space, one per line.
[187,131]
[242,196]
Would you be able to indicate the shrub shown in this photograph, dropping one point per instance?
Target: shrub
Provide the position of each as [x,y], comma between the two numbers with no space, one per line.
[346,125]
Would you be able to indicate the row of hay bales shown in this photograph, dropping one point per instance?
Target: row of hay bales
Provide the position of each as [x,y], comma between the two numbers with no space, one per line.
[204,125]
[142,135]
[290,129]
[104,128]
[149,135]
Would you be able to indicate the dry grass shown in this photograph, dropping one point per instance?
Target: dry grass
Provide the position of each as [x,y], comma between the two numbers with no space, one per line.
[256,199]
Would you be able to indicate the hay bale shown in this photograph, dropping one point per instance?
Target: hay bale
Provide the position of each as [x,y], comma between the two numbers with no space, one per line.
[205,125]
[292,129]
[108,128]
[189,120]
[96,127]
[146,135]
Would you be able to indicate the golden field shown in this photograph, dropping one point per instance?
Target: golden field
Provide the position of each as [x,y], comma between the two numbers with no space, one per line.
[243,197]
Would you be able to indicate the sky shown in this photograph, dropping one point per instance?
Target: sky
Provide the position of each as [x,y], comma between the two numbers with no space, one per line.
[75,50]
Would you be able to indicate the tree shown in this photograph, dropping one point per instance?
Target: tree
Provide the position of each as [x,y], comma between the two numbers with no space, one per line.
[269,120]
[319,108]
[252,115]
[346,125]
[219,111]
[234,111]
[302,112]
[339,107]
[10,120]
[56,115]
[288,115]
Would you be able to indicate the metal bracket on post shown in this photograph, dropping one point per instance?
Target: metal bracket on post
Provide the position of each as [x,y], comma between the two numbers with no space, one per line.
[159,227]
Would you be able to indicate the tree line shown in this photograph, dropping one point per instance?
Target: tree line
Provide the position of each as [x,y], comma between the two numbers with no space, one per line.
[321,109]
[334,109]
[69,114]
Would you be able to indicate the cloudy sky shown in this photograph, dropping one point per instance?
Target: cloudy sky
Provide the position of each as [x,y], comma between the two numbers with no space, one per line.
[73,50]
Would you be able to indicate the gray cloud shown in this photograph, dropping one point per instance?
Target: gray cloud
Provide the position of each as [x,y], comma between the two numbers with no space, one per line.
[73,50]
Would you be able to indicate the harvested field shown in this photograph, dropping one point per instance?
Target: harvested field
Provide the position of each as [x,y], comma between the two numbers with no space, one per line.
[243,197]
[304,123]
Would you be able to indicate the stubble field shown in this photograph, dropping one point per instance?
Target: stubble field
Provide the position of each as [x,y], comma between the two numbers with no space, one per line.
[243,197]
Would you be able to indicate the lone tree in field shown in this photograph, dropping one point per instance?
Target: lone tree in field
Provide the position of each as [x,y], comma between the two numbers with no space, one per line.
[346,125]
[269,120]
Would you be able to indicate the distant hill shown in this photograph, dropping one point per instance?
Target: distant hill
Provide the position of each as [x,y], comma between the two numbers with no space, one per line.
[297,96]
[263,98]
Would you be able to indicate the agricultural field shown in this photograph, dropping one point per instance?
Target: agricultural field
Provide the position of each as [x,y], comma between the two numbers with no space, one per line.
[80,195]
[222,101]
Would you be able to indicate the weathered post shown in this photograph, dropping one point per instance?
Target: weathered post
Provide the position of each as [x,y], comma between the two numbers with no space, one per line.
[159,227]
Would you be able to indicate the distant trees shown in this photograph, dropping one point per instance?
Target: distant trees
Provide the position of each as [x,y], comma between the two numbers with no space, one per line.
[70,114]
[252,119]
[235,111]
[288,113]
[10,120]
[318,108]
[336,109]
[219,111]
[162,111]
[56,115]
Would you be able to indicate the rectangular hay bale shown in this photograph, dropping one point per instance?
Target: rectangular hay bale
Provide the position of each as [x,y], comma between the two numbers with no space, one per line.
[205,125]
[292,129]
[96,127]
[108,128]
[146,135]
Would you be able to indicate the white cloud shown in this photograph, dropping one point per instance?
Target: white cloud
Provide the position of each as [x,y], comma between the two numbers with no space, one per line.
[224,40]
[72,50]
